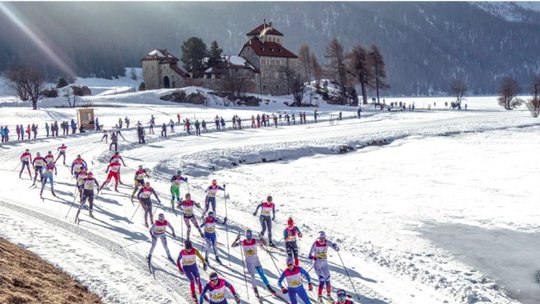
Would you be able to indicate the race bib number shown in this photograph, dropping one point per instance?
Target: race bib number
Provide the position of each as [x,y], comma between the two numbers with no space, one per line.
[266,212]
[321,255]
[160,229]
[89,186]
[145,194]
[218,297]
[250,252]
[189,261]
[39,163]
[294,283]
[210,229]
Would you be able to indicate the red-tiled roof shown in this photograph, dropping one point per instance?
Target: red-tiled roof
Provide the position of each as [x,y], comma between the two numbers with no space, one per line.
[179,71]
[258,30]
[268,49]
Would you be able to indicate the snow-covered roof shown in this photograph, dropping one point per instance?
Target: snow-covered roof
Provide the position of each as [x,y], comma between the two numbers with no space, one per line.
[161,54]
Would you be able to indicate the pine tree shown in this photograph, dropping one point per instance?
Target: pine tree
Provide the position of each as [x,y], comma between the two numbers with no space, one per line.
[317,70]
[378,72]
[336,65]
[193,52]
[359,66]
[214,54]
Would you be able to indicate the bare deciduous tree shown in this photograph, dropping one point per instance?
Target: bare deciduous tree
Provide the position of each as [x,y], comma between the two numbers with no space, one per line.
[26,82]
[359,67]
[508,92]
[378,71]
[336,65]
[534,103]
[317,70]
[458,88]
[304,56]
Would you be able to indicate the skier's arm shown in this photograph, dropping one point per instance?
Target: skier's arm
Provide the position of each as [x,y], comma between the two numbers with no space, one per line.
[155,194]
[198,254]
[172,229]
[34,163]
[205,290]
[72,165]
[305,274]
[179,264]
[311,252]
[280,280]
[273,212]
[257,209]
[173,178]
[122,158]
[139,193]
[299,233]
[236,243]
[197,204]
[97,183]
[152,230]
[107,170]
[333,245]
[184,179]
[285,234]
[231,288]
[85,164]
[146,173]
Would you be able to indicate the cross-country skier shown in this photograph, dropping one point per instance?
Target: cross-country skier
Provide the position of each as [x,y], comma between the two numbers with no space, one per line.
[77,164]
[216,289]
[61,152]
[187,206]
[89,183]
[342,297]
[50,168]
[318,254]
[187,265]
[26,159]
[209,224]
[114,172]
[144,198]
[265,217]
[294,276]
[80,182]
[211,196]
[176,180]
[38,164]
[116,158]
[139,179]
[158,230]
[289,235]
[49,157]
[253,264]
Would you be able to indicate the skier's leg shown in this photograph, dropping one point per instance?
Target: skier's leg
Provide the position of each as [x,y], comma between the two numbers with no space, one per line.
[251,270]
[326,273]
[214,244]
[44,182]
[292,296]
[164,242]
[196,224]
[154,242]
[208,244]
[188,226]
[320,275]
[269,224]
[295,253]
[303,295]
[51,181]
[260,270]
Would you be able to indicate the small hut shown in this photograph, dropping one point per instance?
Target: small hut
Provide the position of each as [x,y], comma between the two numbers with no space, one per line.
[85,118]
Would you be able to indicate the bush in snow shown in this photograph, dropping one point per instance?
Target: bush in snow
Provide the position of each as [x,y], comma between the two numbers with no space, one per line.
[509,90]
[62,82]
[49,93]
[177,96]
[142,86]
[81,91]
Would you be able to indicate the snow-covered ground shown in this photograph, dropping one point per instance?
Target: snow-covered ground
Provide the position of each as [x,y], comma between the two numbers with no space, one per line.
[432,206]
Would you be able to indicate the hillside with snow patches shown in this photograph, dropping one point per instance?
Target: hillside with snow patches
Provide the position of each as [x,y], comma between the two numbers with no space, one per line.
[428,206]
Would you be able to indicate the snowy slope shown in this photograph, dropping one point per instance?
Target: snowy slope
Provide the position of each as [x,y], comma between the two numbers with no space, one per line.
[417,181]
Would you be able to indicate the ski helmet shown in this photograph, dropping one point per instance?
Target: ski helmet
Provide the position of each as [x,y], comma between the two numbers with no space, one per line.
[188,195]
[116,152]
[213,276]
[147,184]
[249,234]
[140,166]
[341,294]
[188,244]
[290,221]
[290,261]
[322,235]
[161,216]
[78,155]
[214,182]
[211,213]
[269,198]
[90,174]
[38,154]
[51,152]
[27,150]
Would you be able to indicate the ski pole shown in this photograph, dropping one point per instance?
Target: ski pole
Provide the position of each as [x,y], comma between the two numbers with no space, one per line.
[16,167]
[131,219]
[74,199]
[347,272]
[227,227]
[243,266]
[272,258]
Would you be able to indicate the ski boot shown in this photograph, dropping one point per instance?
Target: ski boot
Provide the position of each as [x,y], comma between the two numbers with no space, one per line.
[320,299]
[90,214]
[256,291]
[272,291]
[194,298]
[170,259]
[218,260]
[149,258]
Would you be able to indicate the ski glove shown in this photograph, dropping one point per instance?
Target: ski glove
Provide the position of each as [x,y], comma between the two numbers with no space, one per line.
[310,286]
[311,257]
[335,247]
[174,234]
[284,290]
[254,213]
[236,298]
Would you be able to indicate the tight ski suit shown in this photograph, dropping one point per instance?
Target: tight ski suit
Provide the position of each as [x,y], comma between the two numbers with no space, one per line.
[187,264]
[210,236]
[189,217]
[289,235]
[49,158]
[176,180]
[49,169]
[294,282]
[158,230]
[139,180]
[88,185]
[80,183]
[26,159]
[76,166]
[216,292]
[38,164]
[253,264]
[211,197]
[318,254]
[144,198]
[61,152]
[265,217]
[114,172]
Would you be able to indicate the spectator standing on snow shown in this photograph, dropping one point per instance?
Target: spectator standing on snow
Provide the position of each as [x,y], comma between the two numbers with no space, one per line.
[197,128]
[18,130]
[73,126]
[171,123]
[216,120]
[28,130]
[239,121]
[315,115]
[47,129]
[222,124]
[204,126]
[359,112]
[252,121]
[34,130]
[187,126]
[164,130]
[258,121]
